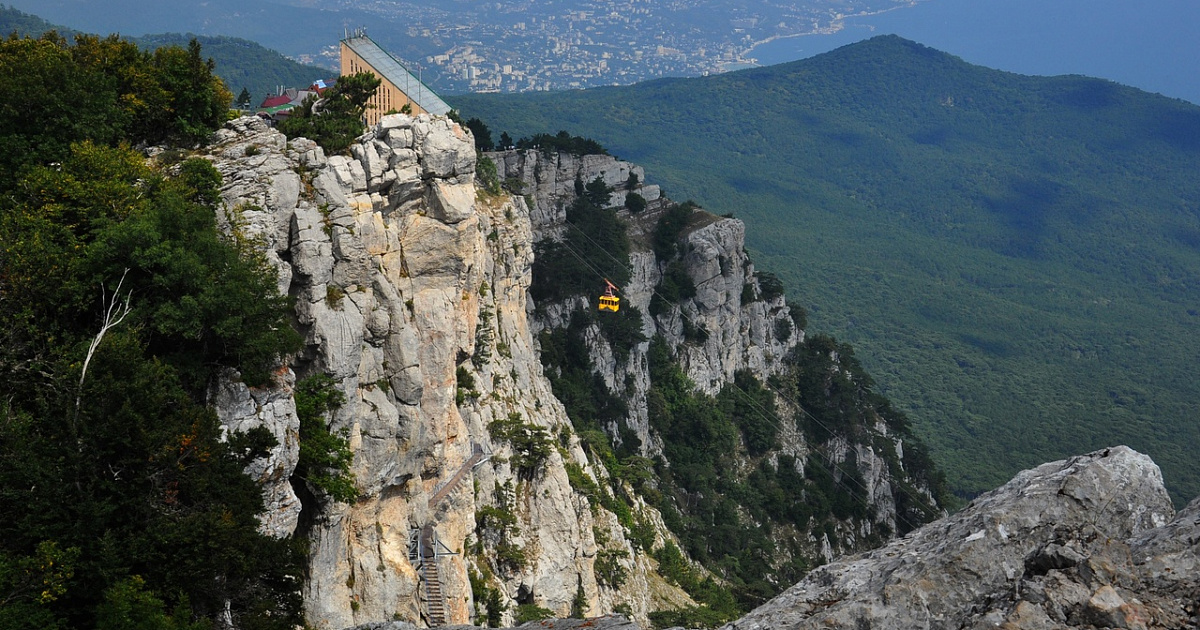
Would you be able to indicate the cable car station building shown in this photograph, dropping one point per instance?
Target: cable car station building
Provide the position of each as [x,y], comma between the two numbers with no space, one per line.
[397,88]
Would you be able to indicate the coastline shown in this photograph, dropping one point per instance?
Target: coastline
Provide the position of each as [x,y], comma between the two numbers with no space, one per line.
[836,25]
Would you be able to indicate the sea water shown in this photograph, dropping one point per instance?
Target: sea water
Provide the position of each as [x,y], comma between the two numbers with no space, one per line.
[1153,45]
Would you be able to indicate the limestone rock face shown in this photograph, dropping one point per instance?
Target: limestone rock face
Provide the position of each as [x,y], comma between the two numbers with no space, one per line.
[240,409]
[731,323]
[1085,542]
[550,181]
[411,292]
[741,335]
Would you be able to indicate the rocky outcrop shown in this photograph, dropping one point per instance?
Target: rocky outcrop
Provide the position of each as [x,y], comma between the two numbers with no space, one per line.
[1087,542]
[607,622]
[730,324]
[411,292]
[241,409]
[741,333]
[1091,541]
[550,180]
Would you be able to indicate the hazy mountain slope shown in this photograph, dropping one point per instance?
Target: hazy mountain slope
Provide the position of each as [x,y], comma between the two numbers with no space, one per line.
[241,63]
[1015,257]
[288,29]
[246,64]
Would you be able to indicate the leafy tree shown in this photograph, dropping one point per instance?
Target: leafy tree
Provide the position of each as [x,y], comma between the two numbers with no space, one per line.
[670,228]
[483,135]
[107,450]
[597,192]
[336,119]
[770,285]
[104,90]
[243,99]
[634,202]
[530,443]
[325,456]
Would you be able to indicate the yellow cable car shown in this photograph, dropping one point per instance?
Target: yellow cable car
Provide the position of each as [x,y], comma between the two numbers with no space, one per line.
[608,301]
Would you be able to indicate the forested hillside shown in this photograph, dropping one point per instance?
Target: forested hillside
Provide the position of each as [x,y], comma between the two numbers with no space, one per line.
[241,63]
[123,506]
[1015,258]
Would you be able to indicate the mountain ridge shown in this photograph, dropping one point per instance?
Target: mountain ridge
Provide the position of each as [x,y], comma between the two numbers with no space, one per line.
[1010,254]
[243,64]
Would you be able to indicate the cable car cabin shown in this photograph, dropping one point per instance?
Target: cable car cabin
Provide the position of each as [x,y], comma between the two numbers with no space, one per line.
[608,301]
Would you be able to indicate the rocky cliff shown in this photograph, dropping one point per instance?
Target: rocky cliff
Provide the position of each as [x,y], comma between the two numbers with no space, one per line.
[1089,542]
[476,498]
[411,291]
[731,322]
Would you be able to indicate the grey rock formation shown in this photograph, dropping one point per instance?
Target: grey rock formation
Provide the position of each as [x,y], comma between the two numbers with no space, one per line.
[607,622]
[1088,542]
[1085,542]
[411,292]
[743,331]
[550,181]
[240,409]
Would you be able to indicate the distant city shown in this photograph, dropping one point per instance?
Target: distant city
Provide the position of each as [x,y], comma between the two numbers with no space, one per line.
[542,45]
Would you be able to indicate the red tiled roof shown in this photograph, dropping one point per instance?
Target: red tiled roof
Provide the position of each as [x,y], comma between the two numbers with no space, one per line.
[275,101]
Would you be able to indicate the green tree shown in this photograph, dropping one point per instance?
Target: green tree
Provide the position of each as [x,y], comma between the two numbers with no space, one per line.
[598,192]
[336,119]
[325,456]
[243,99]
[483,135]
[106,445]
[104,90]
[634,202]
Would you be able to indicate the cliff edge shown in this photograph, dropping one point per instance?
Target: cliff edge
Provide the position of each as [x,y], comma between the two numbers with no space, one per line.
[1091,541]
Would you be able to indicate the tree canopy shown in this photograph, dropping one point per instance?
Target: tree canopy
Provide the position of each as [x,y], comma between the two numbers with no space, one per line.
[335,119]
[105,90]
[124,506]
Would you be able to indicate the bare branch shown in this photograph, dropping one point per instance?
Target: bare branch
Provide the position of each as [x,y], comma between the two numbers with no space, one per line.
[114,314]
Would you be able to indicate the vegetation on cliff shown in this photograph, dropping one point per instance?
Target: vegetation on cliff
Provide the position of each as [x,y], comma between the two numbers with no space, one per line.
[104,90]
[334,120]
[119,303]
[1014,257]
[742,508]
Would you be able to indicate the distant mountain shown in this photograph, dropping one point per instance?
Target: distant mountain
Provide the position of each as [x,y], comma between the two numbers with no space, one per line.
[241,63]
[1016,258]
[245,64]
[292,30]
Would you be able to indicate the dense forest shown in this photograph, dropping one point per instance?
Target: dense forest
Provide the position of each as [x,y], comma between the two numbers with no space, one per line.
[1014,257]
[119,304]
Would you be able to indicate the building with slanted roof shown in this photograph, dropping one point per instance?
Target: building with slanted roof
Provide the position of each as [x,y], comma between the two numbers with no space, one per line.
[397,88]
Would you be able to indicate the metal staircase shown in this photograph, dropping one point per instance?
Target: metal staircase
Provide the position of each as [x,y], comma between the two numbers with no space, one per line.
[435,604]
[477,457]
[424,548]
